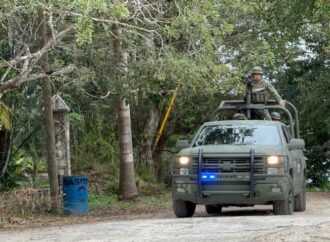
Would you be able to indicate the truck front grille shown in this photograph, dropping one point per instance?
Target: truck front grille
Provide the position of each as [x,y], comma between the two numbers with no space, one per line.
[231,164]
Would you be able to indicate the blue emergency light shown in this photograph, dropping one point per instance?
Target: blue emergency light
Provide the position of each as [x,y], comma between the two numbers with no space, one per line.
[206,176]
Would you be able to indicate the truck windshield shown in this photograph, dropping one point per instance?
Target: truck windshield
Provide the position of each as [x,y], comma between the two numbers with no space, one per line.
[238,135]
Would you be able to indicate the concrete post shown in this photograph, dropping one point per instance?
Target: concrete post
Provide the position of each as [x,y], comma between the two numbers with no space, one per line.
[62,136]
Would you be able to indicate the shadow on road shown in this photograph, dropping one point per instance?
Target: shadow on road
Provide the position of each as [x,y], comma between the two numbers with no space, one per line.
[235,211]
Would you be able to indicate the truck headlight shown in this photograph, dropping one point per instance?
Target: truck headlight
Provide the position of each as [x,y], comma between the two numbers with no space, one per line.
[184,160]
[276,165]
[273,160]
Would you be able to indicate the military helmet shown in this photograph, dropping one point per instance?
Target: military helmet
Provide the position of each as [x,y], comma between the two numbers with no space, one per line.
[256,70]
[276,116]
[239,116]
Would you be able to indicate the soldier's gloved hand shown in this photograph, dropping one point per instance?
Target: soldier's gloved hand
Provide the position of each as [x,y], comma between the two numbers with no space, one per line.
[282,103]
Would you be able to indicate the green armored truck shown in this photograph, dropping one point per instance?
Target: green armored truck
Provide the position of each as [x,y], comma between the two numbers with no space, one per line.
[241,163]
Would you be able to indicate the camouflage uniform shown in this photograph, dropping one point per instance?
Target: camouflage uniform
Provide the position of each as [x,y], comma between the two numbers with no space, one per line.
[260,95]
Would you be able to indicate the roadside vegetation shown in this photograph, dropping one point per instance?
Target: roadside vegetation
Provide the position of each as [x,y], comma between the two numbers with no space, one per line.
[203,49]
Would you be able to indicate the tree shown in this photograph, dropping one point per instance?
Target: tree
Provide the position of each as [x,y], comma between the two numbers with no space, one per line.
[127,185]
[302,49]
[27,60]
[49,121]
[205,47]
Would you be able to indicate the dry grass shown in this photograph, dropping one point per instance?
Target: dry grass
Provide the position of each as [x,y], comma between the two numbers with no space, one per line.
[23,202]
[29,207]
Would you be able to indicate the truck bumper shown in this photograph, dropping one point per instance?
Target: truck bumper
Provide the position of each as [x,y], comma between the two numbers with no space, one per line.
[267,190]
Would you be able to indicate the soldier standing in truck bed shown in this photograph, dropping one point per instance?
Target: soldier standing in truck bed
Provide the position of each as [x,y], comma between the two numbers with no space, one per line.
[261,90]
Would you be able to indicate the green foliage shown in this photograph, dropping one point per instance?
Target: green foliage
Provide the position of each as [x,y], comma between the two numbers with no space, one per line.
[95,148]
[84,23]
[22,171]
[113,186]
[205,47]
[97,202]
[119,10]
[324,188]
[318,168]
[95,138]
[27,165]
[158,198]
[301,49]
[5,116]
[84,28]
[9,180]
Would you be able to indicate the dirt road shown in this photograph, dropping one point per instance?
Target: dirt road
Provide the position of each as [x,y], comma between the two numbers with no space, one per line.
[244,224]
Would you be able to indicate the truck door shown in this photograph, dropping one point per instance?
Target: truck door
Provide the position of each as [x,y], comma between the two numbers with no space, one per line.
[296,163]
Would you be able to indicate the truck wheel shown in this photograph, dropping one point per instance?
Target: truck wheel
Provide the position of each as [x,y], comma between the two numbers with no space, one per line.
[300,200]
[285,207]
[183,209]
[213,208]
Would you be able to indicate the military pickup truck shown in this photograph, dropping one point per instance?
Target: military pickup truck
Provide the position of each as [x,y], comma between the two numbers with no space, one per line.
[241,163]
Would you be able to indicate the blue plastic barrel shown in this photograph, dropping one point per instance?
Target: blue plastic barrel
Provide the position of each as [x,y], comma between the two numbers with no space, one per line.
[75,195]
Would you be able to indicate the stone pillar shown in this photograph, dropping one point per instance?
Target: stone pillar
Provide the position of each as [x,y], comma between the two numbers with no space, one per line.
[62,136]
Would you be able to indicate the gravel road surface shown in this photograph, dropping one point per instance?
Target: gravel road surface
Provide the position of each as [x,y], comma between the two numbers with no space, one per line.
[234,224]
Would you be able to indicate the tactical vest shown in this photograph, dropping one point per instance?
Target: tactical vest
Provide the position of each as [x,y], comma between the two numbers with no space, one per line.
[260,95]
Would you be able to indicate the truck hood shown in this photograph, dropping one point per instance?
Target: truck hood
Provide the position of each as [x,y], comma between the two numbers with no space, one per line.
[234,149]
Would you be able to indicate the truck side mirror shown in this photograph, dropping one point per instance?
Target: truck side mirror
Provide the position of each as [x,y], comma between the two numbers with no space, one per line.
[181,144]
[296,144]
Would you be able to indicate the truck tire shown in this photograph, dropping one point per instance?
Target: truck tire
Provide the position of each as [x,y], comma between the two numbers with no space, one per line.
[183,209]
[285,207]
[213,208]
[300,199]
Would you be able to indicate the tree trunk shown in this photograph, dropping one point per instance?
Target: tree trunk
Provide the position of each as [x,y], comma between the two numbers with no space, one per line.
[159,164]
[127,185]
[49,122]
[50,146]
[150,130]
[5,148]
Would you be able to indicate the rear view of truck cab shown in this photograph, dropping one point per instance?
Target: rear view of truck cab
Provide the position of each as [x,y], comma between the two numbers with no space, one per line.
[240,163]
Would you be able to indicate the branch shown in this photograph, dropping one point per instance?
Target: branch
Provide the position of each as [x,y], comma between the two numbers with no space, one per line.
[64,71]
[30,61]
[5,74]
[114,22]
[20,79]
[48,46]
